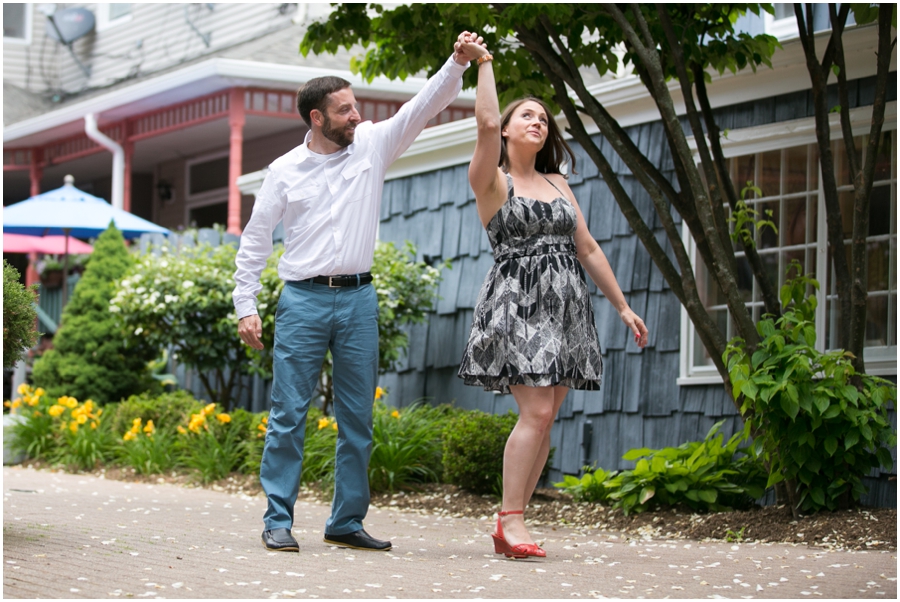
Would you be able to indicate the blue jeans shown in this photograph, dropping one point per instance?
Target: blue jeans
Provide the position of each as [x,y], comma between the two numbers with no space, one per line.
[311,319]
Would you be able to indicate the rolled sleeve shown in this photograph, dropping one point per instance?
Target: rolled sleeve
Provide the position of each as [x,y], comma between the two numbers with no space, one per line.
[256,246]
[400,131]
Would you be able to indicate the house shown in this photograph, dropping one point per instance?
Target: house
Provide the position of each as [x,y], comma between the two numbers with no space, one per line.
[663,395]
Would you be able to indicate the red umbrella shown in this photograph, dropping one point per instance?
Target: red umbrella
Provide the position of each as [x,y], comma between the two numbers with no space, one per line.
[56,245]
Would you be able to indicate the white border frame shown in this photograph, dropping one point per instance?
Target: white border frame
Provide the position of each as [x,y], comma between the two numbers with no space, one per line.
[29,28]
[103,20]
[881,361]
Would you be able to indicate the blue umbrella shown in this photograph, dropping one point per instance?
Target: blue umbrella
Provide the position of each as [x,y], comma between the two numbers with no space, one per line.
[71,212]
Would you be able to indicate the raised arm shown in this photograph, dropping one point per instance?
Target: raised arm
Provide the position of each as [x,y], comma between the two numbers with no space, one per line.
[486,179]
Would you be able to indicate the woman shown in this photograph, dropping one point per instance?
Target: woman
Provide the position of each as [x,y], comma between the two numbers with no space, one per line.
[533,333]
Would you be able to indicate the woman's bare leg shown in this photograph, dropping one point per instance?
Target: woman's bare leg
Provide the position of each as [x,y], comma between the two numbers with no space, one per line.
[559,395]
[525,444]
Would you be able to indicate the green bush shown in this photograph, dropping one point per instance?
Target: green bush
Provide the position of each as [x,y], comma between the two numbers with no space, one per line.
[819,425]
[213,442]
[318,449]
[406,446]
[92,357]
[183,299]
[148,449]
[252,446]
[591,487]
[18,316]
[37,435]
[166,410]
[702,475]
[473,444]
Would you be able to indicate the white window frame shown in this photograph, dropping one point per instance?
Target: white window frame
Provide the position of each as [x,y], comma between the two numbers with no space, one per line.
[104,21]
[781,28]
[880,361]
[203,199]
[29,26]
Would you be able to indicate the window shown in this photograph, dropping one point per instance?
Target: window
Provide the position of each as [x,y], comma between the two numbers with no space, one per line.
[783,24]
[111,15]
[17,23]
[207,191]
[789,180]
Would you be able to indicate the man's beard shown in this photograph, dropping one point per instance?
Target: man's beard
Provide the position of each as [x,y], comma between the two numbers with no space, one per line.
[339,136]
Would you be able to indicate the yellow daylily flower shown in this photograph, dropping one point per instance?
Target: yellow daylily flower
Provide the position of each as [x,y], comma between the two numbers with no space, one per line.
[81,419]
[323,423]
[129,436]
[150,428]
[56,410]
[395,414]
[23,389]
[39,392]
[73,426]
[334,425]
[223,418]
[181,430]
[379,392]
[209,409]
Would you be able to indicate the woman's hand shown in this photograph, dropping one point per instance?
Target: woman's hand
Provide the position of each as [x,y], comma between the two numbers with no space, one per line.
[469,47]
[636,325]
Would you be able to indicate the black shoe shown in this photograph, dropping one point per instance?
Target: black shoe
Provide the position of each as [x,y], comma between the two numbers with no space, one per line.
[359,540]
[280,540]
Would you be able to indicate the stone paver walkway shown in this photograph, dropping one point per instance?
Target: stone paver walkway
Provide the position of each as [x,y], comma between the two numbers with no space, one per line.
[79,536]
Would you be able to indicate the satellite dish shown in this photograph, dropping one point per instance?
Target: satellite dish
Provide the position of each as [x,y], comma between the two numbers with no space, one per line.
[69,24]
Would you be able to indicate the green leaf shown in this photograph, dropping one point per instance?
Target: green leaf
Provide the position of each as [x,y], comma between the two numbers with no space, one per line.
[831,445]
[790,407]
[818,496]
[646,493]
[708,495]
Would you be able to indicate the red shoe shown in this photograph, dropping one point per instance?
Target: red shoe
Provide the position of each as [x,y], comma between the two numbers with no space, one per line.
[520,550]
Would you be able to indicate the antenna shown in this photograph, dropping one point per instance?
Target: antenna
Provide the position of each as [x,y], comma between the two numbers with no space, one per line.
[67,25]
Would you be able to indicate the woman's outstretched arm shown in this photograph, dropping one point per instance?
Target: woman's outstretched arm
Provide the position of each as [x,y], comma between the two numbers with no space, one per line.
[486,179]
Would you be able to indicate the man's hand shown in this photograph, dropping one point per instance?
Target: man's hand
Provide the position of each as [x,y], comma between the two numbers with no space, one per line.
[250,330]
[468,47]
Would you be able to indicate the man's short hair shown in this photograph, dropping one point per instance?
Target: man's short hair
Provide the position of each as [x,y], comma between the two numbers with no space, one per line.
[314,94]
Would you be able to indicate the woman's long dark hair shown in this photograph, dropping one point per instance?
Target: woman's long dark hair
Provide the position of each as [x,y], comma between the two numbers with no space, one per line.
[551,157]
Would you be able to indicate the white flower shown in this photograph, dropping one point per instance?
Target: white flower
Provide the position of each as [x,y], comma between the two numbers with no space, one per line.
[141,290]
[171,298]
[114,309]
[187,284]
[138,330]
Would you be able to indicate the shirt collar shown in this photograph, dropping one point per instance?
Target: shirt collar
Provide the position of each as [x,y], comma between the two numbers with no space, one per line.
[305,153]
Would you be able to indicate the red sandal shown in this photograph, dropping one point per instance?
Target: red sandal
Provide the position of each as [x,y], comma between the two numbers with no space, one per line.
[520,550]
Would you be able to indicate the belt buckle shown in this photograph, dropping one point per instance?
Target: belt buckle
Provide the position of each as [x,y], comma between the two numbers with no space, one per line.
[331,280]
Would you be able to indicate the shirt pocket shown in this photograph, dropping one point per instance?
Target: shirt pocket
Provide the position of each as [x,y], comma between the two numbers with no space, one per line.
[302,197]
[357,180]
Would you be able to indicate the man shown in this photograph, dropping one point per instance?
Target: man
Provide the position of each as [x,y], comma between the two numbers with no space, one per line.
[327,192]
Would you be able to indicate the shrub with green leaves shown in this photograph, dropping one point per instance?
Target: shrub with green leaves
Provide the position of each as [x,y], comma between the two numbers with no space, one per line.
[819,425]
[37,434]
[702,475]
[166,410]
[473,444]
[92,357]
[19,316]
[182,298]
[406,446]
[212,442]
[148,449]
[591,487]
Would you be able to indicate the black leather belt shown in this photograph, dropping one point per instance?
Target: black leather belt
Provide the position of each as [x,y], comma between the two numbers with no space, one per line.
[342,280]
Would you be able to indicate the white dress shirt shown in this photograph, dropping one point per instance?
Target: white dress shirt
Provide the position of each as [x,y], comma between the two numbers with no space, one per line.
[330,204]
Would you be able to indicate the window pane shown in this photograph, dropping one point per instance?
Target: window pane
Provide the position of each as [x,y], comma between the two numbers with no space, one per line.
[769,210]
[876,322]
[883,169]
[879,257]
[14,21]
[744,279]
[770,265]
[210,175]
[812,221]
[796,166]
[745,171]
[209,216]
[793,232]
[846,201]
[118,10]
[880,211]
[770,174]
[784,11]
[841,164]
[833,326]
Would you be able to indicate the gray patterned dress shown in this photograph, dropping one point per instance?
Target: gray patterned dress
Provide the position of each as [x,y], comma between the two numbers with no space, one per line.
[534,322]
